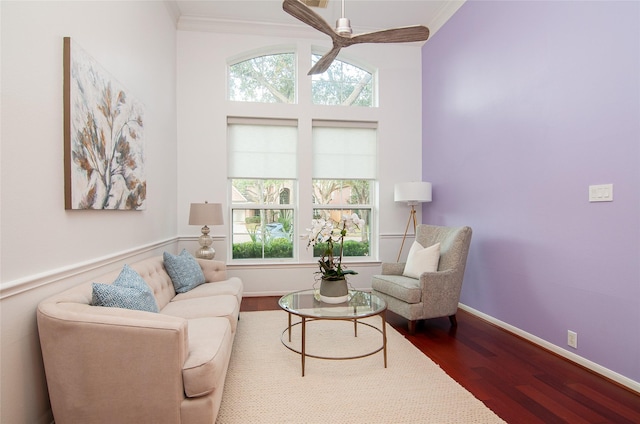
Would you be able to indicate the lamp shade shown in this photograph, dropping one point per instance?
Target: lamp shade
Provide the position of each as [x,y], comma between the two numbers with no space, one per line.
[205,214]
[412,193]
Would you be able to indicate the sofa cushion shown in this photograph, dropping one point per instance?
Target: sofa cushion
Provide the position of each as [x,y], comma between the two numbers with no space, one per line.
[421,259]
[224,305]
[184,270]
[210,342]
[232,286]
[128,291]
[404,288]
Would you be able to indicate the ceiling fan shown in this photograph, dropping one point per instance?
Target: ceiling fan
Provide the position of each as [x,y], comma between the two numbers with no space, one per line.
[342,34]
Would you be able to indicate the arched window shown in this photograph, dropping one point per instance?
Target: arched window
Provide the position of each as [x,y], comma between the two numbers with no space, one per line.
[264,79]
[342,84]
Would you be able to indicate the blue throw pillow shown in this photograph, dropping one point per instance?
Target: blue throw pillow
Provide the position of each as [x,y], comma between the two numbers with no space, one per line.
[184,270]
[128,291]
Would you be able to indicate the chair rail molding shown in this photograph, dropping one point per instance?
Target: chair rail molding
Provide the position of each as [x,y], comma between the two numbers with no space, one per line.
[12,288]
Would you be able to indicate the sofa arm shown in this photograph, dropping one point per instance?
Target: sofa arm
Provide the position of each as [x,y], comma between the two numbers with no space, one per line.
[213,270]
[392,268]
[98,357]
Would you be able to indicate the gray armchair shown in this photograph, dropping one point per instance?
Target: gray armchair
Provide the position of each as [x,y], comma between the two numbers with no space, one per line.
[434,294]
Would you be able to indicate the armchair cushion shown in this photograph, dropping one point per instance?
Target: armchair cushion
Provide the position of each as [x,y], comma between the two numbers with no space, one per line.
[128,291]
[404,288]
[421,259]
[184,270]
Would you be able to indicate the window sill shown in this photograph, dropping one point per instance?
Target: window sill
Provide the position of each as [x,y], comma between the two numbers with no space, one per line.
[293,265]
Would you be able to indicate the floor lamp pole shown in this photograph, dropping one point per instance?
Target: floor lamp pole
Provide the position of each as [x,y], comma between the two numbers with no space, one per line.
[412,217]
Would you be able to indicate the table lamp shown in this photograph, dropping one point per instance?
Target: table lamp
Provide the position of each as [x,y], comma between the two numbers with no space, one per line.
[205,214]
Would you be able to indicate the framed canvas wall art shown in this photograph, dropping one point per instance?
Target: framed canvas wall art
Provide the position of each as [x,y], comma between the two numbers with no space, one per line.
[103,137]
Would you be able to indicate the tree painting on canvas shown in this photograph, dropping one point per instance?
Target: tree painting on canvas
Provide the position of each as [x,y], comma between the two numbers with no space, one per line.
[103,132]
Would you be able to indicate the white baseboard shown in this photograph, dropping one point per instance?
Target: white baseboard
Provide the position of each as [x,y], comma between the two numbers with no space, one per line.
[591,366]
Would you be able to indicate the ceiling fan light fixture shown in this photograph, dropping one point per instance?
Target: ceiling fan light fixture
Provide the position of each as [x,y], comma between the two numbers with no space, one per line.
[343,26]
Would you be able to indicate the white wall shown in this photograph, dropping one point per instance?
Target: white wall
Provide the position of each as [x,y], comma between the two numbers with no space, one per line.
[40,241]
[45,249]
[202,112]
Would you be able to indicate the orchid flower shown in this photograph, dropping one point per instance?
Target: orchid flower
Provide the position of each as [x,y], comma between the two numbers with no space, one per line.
[323,231]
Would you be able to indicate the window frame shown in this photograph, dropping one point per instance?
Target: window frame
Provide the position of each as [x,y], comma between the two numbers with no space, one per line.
[353,63]
[354,207]
[239,172]
[253,54]
[264,209]
[305,112]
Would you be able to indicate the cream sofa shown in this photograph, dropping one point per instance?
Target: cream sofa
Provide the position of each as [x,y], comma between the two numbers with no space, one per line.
[114,365]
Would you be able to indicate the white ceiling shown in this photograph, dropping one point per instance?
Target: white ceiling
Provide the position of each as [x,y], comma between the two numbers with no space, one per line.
[268,16]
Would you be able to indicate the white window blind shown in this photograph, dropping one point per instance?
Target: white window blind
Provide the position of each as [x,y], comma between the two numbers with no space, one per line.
[262,148]
[344,149]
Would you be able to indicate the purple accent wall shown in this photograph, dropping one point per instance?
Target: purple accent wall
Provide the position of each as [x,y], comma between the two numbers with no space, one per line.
[525,105]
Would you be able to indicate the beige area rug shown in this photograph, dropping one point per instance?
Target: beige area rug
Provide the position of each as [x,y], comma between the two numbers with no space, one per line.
[264,382]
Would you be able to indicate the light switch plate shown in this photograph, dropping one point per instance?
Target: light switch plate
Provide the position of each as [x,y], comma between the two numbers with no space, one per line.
[601,193]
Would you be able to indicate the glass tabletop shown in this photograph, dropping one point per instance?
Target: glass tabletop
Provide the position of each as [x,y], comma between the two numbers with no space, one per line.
[307,303]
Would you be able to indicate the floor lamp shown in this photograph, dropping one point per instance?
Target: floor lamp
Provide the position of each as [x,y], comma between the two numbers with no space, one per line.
[413,194]
[205,214]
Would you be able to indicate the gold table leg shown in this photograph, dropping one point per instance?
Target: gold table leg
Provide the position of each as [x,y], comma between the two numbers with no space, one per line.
[303,348]
[304,344]
[384,336]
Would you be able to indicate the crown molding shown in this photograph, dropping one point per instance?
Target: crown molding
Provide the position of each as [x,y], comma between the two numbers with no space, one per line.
[173,9]
[200,24]
[446,12]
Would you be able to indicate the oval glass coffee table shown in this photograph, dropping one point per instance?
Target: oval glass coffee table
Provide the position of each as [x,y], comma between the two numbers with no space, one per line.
[307,305]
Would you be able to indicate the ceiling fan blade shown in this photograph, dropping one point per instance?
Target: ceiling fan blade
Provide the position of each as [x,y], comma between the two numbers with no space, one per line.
[325,61]
[342,36]
[394,35]
[303,13]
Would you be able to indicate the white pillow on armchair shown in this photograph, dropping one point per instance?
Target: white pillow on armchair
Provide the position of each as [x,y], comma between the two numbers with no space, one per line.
[421,259]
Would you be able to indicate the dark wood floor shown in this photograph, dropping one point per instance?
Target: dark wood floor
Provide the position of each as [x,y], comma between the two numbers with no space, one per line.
[518,380]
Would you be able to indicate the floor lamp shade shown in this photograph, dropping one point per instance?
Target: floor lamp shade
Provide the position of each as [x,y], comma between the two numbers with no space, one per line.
[205,214]
[412,193]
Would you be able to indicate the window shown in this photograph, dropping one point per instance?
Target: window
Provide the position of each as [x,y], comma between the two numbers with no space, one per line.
[267,157]
[344,170]
[262,175]
[342,84]
[264,79]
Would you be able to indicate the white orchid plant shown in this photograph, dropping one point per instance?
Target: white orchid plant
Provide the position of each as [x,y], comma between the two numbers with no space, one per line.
[324,231]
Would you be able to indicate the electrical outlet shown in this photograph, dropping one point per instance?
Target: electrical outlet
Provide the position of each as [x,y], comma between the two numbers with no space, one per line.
[572,339]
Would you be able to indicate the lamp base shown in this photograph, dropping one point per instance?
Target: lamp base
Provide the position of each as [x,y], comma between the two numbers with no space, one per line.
[205,252]
[205,240]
